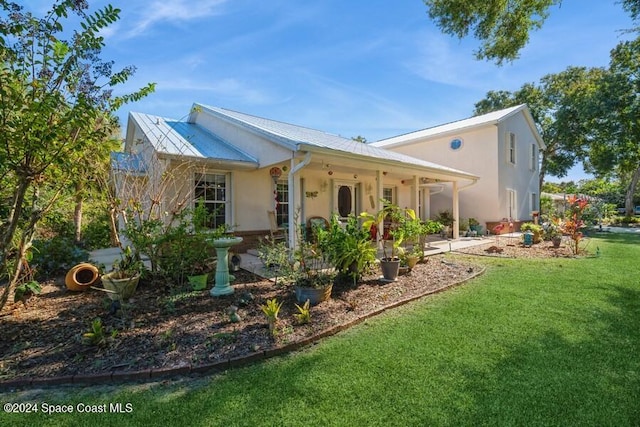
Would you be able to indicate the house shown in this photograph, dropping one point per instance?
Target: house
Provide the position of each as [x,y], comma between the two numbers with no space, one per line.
[502,148]
[242,166]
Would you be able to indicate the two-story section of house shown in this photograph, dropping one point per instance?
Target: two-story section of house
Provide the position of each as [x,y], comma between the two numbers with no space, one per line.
[502,148]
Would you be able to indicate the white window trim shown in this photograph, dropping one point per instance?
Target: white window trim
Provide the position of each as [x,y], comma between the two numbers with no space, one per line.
[228,183]
[512,203]
[511,149]
[534,157]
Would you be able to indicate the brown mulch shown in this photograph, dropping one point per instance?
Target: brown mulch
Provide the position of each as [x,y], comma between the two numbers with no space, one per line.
[512,247]
[162,329]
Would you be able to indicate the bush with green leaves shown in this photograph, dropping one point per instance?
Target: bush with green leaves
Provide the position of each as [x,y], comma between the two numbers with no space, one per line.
[56,256]
[347,246]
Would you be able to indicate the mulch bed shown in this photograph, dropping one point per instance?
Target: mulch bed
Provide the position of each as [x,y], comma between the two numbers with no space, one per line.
[161,329]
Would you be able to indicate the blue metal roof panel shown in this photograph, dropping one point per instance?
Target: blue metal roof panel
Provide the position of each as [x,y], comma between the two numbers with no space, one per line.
[188,139]
[127,162]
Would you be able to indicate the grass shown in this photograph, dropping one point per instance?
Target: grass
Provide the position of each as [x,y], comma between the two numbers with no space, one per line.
[532,342]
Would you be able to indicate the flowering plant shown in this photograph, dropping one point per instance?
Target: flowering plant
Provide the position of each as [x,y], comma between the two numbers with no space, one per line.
[573,222]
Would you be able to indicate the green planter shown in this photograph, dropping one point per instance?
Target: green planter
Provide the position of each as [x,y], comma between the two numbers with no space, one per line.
[198,282]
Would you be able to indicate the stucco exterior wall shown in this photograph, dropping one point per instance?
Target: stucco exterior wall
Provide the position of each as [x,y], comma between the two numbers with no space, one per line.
[477,155]
[484,152]
[264,150]
[523,177]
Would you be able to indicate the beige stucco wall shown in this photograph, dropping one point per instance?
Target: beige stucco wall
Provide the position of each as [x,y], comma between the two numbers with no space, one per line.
[265,151]
[484,154]
[478,155]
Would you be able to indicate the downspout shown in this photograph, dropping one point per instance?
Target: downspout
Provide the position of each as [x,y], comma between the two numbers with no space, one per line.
[295,168]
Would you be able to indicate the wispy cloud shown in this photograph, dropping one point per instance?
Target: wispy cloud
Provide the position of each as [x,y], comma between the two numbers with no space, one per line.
[174,11]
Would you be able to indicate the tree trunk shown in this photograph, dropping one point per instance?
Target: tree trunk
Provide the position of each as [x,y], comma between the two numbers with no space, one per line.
[77,214]
[26,239]
[113,227]
[631,189]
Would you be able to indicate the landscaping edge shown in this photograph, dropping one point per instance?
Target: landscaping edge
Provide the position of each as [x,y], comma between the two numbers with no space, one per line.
[145,375]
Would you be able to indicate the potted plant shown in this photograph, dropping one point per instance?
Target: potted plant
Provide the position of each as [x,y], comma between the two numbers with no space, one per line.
[122,281]
[475,226]
[553,232]
[533,228]
[199,273]
[312,274]
[446,219]
[393,216]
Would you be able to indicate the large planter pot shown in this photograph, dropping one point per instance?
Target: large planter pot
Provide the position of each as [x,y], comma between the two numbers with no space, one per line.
[556,240]
[314,295]
[390,269]
[121,288]
[81,277]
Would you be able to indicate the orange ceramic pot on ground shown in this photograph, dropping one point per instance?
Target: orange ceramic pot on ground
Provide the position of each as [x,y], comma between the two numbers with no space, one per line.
[81,277]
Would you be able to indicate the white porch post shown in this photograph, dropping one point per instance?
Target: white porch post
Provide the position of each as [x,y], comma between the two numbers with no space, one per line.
[456,211]
[415,197]
[379,192]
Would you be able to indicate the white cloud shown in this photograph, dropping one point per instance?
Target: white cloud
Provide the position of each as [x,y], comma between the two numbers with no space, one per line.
[174,11]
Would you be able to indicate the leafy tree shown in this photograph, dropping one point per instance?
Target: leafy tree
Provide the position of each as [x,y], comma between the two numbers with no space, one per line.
[55,102]
[612,114]
[502,26]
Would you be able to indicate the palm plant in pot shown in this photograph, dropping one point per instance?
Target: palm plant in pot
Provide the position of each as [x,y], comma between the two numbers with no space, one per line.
[392,215]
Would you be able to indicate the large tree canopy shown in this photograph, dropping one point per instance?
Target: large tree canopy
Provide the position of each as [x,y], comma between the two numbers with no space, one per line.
[502,26]
[613,117]
[55,101]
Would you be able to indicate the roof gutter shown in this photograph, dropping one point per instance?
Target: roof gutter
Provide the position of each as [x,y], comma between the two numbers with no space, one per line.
[397,163]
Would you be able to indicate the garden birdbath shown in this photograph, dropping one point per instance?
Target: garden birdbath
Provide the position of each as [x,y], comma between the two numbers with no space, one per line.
[222,245]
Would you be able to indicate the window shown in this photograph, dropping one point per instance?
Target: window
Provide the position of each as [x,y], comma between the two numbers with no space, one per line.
[534,202]
[211,189]
[534,157]
[511,154]
[511,203]
[388,194]
[282,202]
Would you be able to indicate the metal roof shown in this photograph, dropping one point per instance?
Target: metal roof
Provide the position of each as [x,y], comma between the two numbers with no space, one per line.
[127,162]
[305,139]
[174,137]
[492,118]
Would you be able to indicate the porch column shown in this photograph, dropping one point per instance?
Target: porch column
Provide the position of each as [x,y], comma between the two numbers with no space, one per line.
[456,211]
[415,197]
[378,204]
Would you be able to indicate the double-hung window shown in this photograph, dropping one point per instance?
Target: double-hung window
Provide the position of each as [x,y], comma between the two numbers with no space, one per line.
[211,189]
[511,148]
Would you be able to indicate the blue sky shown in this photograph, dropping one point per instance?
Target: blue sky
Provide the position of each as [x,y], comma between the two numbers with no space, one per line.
[373,68]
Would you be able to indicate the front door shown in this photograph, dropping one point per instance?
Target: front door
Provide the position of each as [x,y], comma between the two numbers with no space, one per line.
[344,199]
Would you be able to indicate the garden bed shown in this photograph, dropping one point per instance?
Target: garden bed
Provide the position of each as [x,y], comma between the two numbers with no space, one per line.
[43,339]
[161,330]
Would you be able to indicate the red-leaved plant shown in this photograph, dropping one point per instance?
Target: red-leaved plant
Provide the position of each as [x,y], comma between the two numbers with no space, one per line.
[573,223]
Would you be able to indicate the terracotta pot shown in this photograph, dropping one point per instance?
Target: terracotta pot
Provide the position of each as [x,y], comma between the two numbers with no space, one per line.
[412,261]
[81,277]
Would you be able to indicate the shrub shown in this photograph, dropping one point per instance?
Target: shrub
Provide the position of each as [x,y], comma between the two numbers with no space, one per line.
[56,255]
